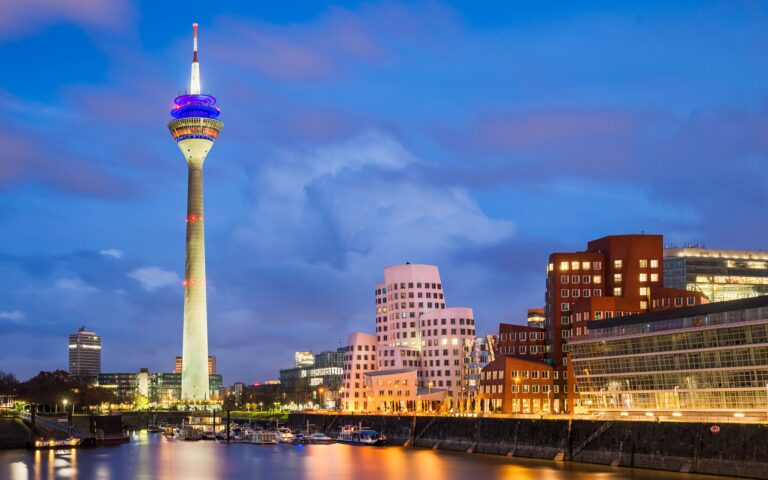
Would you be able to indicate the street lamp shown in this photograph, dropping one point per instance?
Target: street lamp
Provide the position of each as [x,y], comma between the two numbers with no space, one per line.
[429,394]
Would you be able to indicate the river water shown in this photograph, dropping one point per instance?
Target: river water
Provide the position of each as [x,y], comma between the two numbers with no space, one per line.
[152,456]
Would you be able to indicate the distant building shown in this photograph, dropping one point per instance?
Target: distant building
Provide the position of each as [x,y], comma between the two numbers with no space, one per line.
[699,360]
[479,353]
[161,389]
[211,364]
[721,275]
[84,354]
[314,384]
[359,359]
[304,359]
[536,317]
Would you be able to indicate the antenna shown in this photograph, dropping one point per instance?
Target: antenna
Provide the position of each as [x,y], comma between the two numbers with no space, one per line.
[194,41]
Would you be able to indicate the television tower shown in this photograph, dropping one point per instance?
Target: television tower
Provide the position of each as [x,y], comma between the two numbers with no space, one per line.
[195,128]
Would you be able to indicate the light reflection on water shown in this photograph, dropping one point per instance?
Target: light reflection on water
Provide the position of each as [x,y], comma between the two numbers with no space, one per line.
[152,456]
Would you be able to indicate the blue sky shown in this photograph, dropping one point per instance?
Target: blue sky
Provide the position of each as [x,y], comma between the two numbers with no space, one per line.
[479,137]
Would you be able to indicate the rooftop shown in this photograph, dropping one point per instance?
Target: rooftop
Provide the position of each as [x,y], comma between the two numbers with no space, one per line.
[394,371]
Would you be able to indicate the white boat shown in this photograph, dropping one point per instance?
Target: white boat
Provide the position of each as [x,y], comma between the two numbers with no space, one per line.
[318,439]
[284,435]
[358,435]
[187,433]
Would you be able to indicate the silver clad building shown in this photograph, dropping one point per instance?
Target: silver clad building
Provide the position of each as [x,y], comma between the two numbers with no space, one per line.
[84,354]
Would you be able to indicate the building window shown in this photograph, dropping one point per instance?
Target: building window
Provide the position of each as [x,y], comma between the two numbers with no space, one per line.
[565,307]
[597,279]
[654,263]
[586,292]
[564,278]
[585,265]
[585,278]
[597,265]
[563,266]
[654,277]
[575,293]
[643,263]
[643,291]
[574,265]
[616,291]
[565,320]
[564,292]
[691,300]
[643,277]
[643,305]
[575,279]
[617,264]
[596,293]
[617,277]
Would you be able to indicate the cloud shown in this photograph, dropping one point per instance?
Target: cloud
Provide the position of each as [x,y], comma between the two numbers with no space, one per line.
[153,278]
[14,315]
[113,253]
[17,17]
[74,284]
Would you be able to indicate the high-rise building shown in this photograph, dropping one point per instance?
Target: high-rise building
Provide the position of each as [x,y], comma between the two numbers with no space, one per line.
[721,275]
[615,276]
[414,329]
[195,128]
[315,383]
[359,359]
[84,353]
[211,364]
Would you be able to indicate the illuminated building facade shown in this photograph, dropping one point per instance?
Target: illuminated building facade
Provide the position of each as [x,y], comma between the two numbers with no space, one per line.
[479,353]
[615,276]
[84,354]
[392,390]
[211,364]
[702,359]
[721,275]
[160,389]
[311,384]
[414,329]
[536,317]
[360,357]
[195,128]
[512,384]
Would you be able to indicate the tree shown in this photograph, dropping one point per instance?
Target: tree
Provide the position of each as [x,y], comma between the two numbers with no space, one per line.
[9,385]
[47,388]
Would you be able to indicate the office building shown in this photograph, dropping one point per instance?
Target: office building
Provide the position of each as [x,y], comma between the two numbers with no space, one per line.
[160,389]
[311,384]
[720,275]
[359,359]
[536,317]
[615,276]
[691,361]
[84,353]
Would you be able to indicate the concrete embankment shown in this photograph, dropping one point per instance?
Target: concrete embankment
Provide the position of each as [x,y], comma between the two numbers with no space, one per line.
[13,433]
[729,449]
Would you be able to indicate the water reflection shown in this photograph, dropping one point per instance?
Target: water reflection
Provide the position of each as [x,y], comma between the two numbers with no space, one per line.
[151,456]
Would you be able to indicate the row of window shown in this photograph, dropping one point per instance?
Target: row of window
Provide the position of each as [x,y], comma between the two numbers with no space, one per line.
[522,350]
[565,266]
[402,285]
[522,336]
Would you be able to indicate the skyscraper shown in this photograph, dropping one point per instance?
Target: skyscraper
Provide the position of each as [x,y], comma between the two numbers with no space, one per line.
[195,128]
[84,354]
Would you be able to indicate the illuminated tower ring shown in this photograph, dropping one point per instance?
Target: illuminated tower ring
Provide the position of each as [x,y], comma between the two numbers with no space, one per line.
[195,128]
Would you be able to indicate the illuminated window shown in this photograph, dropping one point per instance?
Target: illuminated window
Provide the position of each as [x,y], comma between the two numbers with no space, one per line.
[617,291]
[643,277]
[597,279]
[643,263]
[654,263]
[550,267]
[617,277]
[575,265]
[643,291]
[563,266]
[654,277]
[585,265]
[617,263]
[643,305]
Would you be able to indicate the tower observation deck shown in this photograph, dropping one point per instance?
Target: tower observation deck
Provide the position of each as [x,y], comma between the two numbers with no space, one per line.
[195,127]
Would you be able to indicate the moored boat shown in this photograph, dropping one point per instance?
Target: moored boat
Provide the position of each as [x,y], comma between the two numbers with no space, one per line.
[284,435]
[318,438]
[358,435]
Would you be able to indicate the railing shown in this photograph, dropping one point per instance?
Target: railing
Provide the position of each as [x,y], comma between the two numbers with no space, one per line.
[56,426]
[591,438]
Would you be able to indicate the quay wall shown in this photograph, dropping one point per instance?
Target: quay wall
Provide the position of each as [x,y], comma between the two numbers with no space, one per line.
[734,449]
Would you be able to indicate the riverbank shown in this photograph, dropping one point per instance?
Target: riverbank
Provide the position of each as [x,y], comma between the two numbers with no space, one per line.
[728,449]
[13,433]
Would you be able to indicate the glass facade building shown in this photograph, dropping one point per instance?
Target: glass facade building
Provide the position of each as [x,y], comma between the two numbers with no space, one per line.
[721,275]
[710,358]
